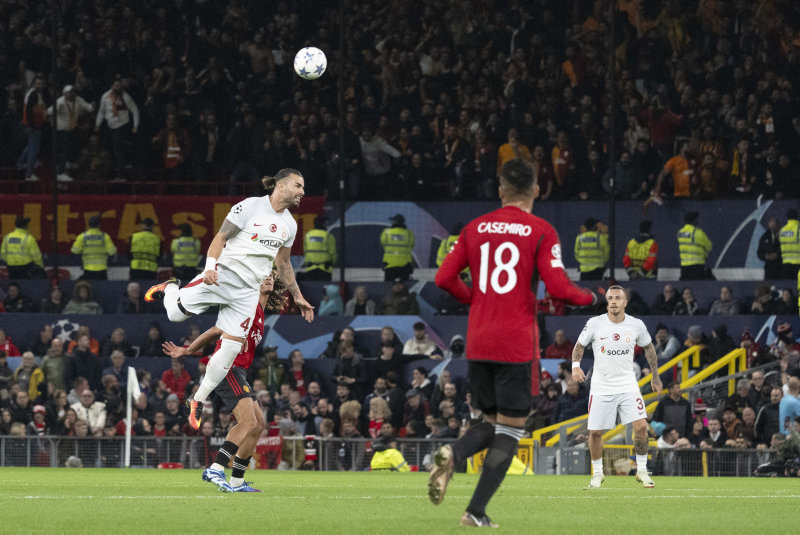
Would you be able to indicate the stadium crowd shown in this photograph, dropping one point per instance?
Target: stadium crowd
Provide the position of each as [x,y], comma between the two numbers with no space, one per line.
[197,90]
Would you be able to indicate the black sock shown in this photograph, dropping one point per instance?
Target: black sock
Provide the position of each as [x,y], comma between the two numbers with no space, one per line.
[498,459]
[225,453]
[239,466]
[477,438]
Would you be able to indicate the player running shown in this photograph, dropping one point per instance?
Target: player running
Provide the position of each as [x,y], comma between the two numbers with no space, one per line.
[507,251]
[256,234]
[614,389]
[237,394]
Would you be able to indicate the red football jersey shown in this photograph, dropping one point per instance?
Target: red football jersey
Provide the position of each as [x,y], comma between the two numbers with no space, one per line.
[245,358]
[507,251]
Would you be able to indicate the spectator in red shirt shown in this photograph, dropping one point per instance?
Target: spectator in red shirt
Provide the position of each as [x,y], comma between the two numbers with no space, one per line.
[8,346]
[561,348]
[176,379]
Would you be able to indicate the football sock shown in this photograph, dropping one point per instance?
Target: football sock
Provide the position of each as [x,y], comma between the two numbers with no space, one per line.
[597,466]
[174,313]
[225,453]
[474,440]
[239,467]
[641,462]
[217,368]
[501,452]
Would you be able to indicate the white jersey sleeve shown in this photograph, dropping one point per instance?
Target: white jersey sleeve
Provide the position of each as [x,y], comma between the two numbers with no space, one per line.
[240,213]
[587,334]
[642,337]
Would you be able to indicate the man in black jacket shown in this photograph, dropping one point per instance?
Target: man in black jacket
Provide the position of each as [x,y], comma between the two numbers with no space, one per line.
[674,410]
[83,363]
[768,420]
[769,250]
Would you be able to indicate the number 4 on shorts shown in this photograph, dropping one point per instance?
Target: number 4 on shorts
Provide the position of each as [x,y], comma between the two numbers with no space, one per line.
[245,324]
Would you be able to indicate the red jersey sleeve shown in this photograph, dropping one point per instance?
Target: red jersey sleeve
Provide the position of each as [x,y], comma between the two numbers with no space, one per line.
[551,270]
[448,276]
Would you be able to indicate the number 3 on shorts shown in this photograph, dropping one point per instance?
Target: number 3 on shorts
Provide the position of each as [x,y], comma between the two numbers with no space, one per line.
[640,404]
[245,324]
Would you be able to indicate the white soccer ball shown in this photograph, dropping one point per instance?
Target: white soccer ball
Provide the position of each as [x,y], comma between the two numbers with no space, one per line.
[310,63]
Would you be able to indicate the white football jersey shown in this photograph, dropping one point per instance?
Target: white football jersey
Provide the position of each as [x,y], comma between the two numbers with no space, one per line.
[251,253]
[613,345]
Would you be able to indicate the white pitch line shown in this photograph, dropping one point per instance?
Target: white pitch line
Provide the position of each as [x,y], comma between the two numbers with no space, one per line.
[382,497]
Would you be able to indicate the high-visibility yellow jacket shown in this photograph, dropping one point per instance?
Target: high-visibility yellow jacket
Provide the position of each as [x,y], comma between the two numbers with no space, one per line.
[145,247]
[19,248]
[789,238]
[591,250]
[94,246]
[641,257]
[185,251]
[694,245]
[319,248]
[444,248]
[397,243]
[389,459]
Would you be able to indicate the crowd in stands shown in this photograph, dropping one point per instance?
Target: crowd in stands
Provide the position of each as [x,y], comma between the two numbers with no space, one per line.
[438,95]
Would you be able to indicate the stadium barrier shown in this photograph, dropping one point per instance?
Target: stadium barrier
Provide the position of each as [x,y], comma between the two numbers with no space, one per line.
[355,454]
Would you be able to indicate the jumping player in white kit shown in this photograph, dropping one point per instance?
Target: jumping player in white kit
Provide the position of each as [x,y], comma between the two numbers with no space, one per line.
[256,233]
[614,389]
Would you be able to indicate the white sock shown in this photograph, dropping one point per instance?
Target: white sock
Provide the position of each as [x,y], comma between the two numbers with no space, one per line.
[237,481]
[171,303]
[597,466]
[641,462]
[217,466]
[217,368]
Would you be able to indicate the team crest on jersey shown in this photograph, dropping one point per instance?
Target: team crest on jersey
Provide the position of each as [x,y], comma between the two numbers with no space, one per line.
[246,388]
[254,237]
[283,234]
[627,338]
[616,337]
[273,227]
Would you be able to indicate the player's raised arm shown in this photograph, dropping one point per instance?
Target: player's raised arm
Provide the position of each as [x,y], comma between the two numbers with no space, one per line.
[652,361]
[226,233]
[198,343]
[448,276]
[286,274]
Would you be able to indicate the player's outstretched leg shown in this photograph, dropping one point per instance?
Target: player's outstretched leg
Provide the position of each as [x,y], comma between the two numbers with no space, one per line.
[477,438]
[640,447]
[218,367]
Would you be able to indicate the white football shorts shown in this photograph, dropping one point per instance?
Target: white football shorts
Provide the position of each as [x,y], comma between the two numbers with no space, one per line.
[237,301]
[604,408]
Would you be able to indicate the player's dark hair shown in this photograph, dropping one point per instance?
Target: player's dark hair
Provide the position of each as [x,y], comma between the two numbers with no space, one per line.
[518,175]
[277,297]
[269,182]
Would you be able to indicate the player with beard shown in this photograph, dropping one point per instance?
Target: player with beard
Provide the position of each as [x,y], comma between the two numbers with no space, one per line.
[256,234]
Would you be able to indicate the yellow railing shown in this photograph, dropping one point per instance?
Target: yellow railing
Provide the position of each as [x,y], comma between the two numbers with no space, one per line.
[733,360]
[574,423]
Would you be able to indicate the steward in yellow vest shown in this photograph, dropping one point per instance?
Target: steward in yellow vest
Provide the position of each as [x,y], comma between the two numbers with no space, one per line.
[21,253]
[94,246]
[694,247]
[185,254]
[591,251]
[641,254]
[398,244]
[789,238]
[145,249]
[319,248]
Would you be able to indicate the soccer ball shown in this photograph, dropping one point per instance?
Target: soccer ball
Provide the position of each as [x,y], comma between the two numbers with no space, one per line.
[310,63]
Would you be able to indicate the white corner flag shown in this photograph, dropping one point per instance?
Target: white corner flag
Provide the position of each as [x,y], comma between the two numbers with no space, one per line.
[132,396]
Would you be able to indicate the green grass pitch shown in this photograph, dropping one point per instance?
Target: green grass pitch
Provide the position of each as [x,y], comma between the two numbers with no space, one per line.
[177,501]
